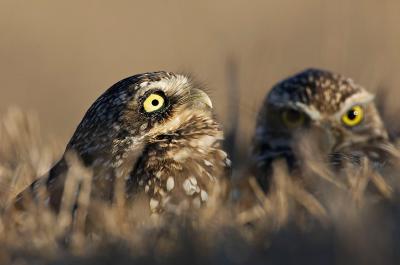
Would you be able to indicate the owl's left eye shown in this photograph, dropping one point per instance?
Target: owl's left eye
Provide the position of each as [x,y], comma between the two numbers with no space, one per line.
[353,116]
[153,102]
[292,118]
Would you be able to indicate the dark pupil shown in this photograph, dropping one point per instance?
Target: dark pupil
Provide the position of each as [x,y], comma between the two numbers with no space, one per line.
[154,102]
[293,116]
[352,114]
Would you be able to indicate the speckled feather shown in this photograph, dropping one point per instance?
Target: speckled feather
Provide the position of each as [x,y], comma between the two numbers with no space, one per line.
[323,90]
[174,155]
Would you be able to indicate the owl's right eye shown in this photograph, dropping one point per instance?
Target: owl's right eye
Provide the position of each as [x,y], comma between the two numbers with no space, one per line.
[353,116]
[153,103]
[292,118]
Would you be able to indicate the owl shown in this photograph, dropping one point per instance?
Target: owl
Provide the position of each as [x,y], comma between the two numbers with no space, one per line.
[154,131]
[338,116]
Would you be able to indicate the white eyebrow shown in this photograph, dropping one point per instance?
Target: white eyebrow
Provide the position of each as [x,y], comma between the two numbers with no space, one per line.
[311,111]
[171,83]
[360,98]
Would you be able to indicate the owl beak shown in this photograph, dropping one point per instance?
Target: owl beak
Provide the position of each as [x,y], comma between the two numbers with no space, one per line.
[326,139]
[336,135]
[199,96]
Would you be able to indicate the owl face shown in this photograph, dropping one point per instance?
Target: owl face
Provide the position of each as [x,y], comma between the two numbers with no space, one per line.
[337,113]
[163,107]
[137,111]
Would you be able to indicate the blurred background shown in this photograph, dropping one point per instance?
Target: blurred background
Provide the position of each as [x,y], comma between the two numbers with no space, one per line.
[57,57]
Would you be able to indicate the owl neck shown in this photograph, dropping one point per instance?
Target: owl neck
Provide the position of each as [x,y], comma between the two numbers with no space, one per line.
[188,155]
[194,139]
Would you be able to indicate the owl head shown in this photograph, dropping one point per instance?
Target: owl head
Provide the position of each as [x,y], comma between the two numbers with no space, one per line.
[140,110]
[336,112]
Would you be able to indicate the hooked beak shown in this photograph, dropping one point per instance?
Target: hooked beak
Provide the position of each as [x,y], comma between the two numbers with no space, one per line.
[199,96]
[326,137]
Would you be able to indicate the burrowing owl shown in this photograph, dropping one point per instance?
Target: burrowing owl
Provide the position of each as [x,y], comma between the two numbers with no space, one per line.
[157,132]
[341,114]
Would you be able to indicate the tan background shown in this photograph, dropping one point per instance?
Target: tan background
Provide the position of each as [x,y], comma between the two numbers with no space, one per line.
[56,57]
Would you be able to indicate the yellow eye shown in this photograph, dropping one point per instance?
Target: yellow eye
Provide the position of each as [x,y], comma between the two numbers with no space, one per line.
[293,118]
[353,116]
[153,103]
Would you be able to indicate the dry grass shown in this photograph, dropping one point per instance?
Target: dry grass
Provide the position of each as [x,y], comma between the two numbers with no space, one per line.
[351,219]
[58,56]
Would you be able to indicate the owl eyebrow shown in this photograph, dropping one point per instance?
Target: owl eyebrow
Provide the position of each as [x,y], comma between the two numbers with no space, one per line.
[171,83]
[311,111]
[360,98]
